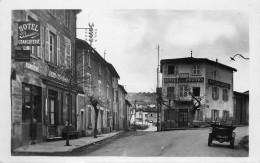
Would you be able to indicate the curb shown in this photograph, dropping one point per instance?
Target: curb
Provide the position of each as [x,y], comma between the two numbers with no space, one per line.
[75,150]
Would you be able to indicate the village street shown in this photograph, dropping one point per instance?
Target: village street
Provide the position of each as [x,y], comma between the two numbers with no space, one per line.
[180,143]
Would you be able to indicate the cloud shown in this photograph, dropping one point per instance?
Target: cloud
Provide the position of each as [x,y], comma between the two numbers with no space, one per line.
[190,31]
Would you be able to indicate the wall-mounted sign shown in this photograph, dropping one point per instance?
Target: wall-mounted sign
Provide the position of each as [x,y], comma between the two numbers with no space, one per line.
[183,80]
[183,75]
[22,55]
[31,67]
[29,33]
[218,83]
[58,76]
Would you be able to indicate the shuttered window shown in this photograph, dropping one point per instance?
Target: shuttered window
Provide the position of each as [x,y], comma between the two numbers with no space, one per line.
[47,45]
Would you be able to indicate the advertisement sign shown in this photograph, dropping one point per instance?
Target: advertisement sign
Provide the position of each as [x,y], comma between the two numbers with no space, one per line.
[29,33]
[183,80]
[22,55]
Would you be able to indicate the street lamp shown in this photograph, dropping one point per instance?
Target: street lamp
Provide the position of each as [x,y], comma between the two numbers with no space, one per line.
[233,58]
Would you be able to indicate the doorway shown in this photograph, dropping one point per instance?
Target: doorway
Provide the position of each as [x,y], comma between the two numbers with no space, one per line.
[183,117]
[53,113]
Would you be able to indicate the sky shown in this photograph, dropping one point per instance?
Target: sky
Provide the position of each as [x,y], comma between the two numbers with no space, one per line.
[129,39]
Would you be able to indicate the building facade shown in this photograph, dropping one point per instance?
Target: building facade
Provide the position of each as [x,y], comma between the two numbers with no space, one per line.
[41,102]
[241,108]
[122,107]
[103,78]
[186,79]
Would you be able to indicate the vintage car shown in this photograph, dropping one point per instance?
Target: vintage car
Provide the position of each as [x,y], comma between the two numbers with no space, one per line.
[222,133]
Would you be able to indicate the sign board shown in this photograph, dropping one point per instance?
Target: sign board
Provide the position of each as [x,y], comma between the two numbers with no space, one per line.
[183,80]
[183,75]
[218,83]
[57,76]
[29,33]
[32,67]
[22,55]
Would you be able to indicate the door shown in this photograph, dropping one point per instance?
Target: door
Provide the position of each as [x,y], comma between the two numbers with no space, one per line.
[183,118]
[52,118]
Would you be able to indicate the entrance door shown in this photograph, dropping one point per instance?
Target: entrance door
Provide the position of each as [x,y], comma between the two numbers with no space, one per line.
[52,118]
[183,118]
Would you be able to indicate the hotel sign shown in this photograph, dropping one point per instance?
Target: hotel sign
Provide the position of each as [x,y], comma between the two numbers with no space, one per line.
[22,55]
[183,80]
[218,83]
[58,76]
[29,33]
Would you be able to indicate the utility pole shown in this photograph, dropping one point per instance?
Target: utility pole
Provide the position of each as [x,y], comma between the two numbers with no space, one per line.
[158,47]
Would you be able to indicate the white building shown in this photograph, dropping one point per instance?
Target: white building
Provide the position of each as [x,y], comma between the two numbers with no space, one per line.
[209,80]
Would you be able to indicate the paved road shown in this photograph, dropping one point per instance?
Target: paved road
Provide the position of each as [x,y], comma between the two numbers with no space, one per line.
[180,143]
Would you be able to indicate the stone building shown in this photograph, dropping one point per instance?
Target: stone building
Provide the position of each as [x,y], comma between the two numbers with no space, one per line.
[40,100]
[104,79]
[209,81]
[122,112]
[241,108]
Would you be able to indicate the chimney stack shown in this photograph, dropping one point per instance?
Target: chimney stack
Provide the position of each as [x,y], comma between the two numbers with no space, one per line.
[217,60]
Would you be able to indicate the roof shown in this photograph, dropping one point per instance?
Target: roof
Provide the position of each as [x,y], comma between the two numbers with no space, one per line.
[128,103]
[195,60]
[122,87]
[81,44]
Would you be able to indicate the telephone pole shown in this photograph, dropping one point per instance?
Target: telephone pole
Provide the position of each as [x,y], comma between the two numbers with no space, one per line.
[158,47]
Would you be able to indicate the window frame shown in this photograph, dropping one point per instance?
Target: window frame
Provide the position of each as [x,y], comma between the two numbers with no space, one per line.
[215,94]
[170,93]
[183,91]
[175,69]
[194,91]
[225,95]
[196,70]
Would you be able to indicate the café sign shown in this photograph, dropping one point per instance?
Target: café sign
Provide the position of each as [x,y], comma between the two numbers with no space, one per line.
[183,80]
[22,55]
[29,33]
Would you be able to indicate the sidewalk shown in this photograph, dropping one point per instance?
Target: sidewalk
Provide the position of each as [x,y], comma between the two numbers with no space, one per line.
[57,147]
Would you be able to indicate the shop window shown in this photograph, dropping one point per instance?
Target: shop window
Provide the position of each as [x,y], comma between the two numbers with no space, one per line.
[215,93]
[170,92]
[183,91]
[225,95]
[196,70]
[32,104]
[196,91]
[173,70]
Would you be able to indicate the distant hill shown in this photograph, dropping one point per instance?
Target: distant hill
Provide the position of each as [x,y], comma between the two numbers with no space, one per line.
[142,98]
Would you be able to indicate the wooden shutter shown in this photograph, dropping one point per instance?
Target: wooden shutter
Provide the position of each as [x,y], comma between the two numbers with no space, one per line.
[58,50]
[47,45]
[42,43]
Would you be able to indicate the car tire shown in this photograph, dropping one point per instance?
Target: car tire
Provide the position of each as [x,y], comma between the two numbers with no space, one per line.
[209,140]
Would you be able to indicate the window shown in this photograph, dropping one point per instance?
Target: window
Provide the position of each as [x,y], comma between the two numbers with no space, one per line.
[196,70]
[53,56]
[170,92]
[89,117]
[99,68]
[31,104]
[225,115]
[151,115]
[89,60]
[214,115]
[196,91]
[215,74]
[68,53]
[35,50]
[215,93]
[173,70]
[107,91]
[67,19]
[225,95]
[183,91]
[99,88]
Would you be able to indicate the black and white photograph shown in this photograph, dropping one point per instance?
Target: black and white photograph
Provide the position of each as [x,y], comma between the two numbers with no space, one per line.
[130,81]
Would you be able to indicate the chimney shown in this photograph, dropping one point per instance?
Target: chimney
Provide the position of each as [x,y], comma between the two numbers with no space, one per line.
[191,54]
[217,60]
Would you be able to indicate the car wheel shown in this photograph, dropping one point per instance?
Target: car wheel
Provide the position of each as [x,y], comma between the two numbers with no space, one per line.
[209,140]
